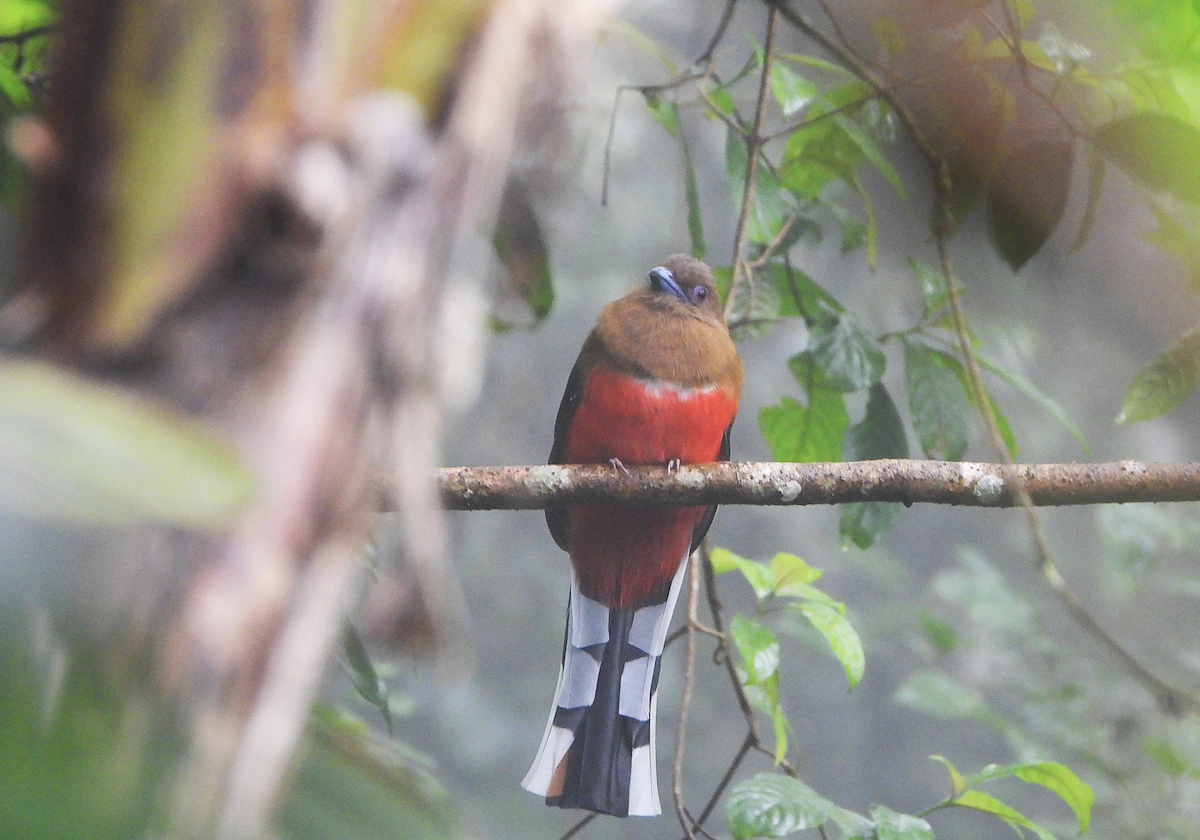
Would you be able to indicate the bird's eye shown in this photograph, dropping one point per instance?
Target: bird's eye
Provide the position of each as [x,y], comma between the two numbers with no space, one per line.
[700,294]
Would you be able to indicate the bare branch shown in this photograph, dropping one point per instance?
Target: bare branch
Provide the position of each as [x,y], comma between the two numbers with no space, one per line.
[962,483]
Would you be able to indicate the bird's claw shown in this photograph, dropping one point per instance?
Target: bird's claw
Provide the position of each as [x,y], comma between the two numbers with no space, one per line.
[673,465]
[617,465]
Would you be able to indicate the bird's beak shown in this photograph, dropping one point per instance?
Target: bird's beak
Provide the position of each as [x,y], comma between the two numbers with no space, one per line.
[662,280]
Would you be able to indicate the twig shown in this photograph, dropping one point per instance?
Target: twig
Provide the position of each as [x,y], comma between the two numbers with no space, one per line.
[726,16]
[685,703]
[579,826]
[754,143]
[27,35]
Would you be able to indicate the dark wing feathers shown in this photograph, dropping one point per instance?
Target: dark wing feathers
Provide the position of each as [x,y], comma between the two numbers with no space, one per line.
[701,529]
[556,516]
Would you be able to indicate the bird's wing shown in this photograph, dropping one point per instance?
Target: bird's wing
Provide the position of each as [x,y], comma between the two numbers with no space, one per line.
[556,516]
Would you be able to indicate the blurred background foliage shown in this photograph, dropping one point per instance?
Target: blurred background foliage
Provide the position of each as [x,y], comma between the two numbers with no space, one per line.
[1071,131]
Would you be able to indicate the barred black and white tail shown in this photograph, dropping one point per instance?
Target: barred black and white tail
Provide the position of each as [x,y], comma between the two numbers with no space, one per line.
[598,750]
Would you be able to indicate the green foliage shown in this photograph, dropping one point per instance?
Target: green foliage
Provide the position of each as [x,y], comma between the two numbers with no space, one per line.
[24,60]
[521,249]
[76,450]
[353,784]
[774,805]
[1165,382]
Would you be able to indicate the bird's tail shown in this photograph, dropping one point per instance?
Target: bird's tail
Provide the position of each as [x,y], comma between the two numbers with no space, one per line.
[598,750]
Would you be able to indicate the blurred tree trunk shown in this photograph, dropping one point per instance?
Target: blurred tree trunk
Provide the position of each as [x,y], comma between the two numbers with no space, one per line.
[254,240]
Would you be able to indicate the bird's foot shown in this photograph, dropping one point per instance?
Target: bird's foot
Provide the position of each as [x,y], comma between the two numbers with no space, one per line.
[617,465]
[673,465]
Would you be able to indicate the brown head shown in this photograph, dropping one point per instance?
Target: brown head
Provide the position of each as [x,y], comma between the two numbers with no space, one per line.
[671,328]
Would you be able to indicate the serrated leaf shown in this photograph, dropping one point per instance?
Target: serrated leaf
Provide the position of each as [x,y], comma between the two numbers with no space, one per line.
[757,574]
[362,673]
[692,197]
[758,646]
[939,408]
[1027,197]
[849,359]
[792,91]
[1160,149]
[77,450]
[939,695]
[774,805]
[1165,382]
[891,825]
[805,434]
[841,635]
[979,801]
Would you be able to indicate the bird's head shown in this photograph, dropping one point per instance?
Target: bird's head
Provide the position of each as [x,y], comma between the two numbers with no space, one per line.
[686,280]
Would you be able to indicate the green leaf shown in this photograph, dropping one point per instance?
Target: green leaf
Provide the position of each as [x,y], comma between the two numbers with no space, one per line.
[870,151]
[847,356]
[801,295]
[1096,172]
[853,826]
[353,784]
[890,825]
[843,639]
[940,634]
[979,801]
[1061,780]
[764,696]
[939,407]
[1166,382]
[521,249]
[18,16]
[78,450]
[881,432]
[774,805]
[362,673]
[758,646]
[1160,149]
[692,196]
[879,435]
[1052,775]
[766,210]
[1027,197]
[862,523]
[788,569]
[1039,398]
[806,434]
[932,284]
[664,113]
[758,575]
[957,783]
[14,89]
[939,695]
[792,91]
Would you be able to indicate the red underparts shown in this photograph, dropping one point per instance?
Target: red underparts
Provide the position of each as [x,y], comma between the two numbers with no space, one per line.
[623,555]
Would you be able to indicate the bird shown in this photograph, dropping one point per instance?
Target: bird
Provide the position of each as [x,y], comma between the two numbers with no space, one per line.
[657,382]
